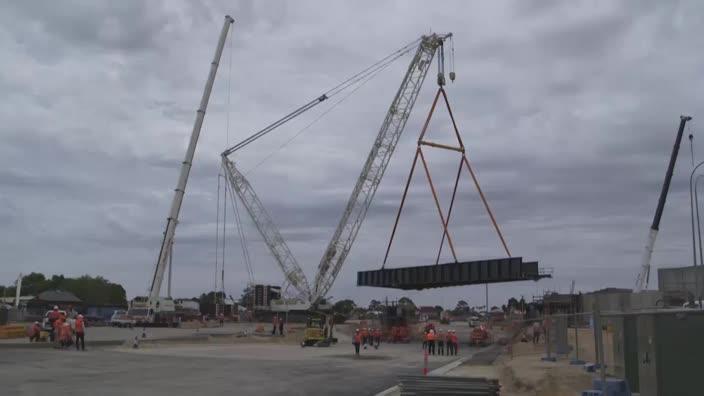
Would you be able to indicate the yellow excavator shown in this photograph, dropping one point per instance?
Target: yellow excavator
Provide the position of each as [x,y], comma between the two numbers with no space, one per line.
[318,331]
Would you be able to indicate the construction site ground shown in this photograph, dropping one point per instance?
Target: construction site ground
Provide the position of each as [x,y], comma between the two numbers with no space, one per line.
[523,373]
[213,360]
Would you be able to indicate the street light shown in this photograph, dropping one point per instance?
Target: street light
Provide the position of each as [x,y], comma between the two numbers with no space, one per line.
[691,209]
[696,209]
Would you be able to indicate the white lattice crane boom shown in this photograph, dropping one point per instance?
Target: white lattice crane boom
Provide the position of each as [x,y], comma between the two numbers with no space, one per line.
[377,161]
[293,274]
[368,181]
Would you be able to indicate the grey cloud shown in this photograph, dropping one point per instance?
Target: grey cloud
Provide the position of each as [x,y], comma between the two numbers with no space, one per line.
[568,118]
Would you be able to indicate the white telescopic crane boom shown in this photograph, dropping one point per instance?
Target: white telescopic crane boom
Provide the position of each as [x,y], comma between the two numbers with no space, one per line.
[172,220]
[377,161]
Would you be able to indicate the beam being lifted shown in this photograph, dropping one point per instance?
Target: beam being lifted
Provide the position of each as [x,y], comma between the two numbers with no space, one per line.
[511,269]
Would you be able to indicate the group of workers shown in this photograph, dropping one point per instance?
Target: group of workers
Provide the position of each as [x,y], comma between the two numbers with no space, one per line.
[366,336]
[441,339]
[62,331]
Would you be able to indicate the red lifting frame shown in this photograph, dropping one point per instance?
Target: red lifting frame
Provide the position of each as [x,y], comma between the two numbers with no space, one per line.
[463,161]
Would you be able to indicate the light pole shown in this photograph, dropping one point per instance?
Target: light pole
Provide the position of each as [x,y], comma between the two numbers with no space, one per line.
[696,210]
[691,209]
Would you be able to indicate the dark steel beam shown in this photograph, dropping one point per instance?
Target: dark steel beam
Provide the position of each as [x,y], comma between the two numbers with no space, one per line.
[511,269]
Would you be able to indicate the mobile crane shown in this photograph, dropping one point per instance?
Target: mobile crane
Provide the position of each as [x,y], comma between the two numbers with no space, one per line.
[151,307]
[296,283]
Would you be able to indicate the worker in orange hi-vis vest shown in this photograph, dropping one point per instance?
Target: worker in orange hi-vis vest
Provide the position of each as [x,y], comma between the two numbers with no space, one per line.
[455,342]
[80,328]
[356,340]
[65,335]
[440,342]
[431,342]
[448,342]
[365,335]
[57,326]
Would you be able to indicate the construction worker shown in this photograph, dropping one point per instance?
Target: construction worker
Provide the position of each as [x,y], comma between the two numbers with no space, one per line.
[455,344]
[356,341]
[80,328]
[56,330]
[65,335]
[53,317]
[441,342]
[449,343]
[34,332]
[274,322]
[281,327]
[377,338]
[431,342]
[365,335]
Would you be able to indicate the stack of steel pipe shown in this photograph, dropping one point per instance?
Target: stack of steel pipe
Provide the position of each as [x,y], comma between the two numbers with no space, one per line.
[412,385]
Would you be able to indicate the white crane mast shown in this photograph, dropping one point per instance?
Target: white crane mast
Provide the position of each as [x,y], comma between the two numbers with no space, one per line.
[293,274]
[374,167]
[180,190]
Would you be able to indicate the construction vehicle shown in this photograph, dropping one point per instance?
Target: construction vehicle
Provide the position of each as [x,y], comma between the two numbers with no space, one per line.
[153,309]
[296,285]
[644,275]
[318,331]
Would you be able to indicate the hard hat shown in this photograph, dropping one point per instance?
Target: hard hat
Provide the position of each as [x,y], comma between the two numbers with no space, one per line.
[80,316]
[56,307]
[36,322]
[66,324]
[356,329]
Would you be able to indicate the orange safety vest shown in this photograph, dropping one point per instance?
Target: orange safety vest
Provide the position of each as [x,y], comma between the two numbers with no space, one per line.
[79,326]
[65,332]
[58,323]
[357,339]
[431,336]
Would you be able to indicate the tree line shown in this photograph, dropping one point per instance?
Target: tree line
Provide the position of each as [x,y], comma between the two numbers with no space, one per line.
[92,290]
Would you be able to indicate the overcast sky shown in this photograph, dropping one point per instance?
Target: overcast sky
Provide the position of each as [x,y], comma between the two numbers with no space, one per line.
[568,111]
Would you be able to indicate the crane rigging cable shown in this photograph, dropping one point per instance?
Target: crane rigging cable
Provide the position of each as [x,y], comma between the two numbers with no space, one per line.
[243,241]
[354,79]
[306,127]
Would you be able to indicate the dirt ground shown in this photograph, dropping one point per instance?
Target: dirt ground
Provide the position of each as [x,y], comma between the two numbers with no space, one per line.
[525,374]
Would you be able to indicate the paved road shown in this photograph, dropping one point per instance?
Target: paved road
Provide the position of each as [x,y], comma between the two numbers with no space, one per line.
[242,369]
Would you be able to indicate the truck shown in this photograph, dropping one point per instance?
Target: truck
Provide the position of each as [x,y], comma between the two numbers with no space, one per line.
[121,318]
[161,316]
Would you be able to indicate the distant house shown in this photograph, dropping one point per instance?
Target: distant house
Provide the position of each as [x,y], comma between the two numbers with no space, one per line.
[425,313]
[48,299]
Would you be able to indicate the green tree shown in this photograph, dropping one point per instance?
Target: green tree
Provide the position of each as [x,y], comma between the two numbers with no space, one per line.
[344,307]
[462,307]
[375,305]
